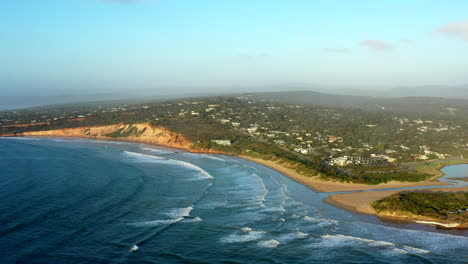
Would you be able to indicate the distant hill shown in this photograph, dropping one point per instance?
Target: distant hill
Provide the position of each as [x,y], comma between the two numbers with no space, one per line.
[443,91]
[414,105]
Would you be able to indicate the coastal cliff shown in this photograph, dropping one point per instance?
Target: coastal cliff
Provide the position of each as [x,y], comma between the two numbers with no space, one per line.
[141,133]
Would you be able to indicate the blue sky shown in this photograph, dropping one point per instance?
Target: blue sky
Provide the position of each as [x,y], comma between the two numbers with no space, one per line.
[103,45]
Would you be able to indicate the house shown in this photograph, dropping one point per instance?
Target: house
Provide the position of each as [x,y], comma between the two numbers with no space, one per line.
[302,150]
[223,142]
[340,161]
[279,142]
[252,129]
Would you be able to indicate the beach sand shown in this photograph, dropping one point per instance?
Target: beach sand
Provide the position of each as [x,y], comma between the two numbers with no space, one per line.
[357,202]
[327,186]
[360,202]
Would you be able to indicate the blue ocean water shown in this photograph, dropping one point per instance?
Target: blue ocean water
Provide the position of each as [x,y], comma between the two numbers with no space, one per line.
[80,201]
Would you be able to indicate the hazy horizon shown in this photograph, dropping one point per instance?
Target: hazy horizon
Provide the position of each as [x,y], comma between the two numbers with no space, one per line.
[110,46]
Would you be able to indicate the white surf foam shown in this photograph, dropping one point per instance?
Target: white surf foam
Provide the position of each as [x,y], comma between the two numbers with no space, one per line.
[311,219]
[268,243]
[157,222]
[202,174]
[134,248]
[291,236]
[179,212]
[204,156]
[213,158]
[245,234]
[19,138]
[143,157]
[274,209]
[192,220]
[438,243]
[339,240]
[159,151]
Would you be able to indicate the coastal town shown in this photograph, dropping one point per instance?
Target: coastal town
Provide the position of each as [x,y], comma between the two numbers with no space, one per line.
[329,149]
[331,136]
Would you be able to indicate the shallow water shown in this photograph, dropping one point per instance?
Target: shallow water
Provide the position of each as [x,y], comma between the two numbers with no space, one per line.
[81,201]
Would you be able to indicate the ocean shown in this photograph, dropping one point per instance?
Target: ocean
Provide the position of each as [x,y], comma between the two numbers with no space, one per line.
[83,201]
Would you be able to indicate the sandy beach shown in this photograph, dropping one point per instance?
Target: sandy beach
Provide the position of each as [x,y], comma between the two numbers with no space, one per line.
[358,202]
[326,186]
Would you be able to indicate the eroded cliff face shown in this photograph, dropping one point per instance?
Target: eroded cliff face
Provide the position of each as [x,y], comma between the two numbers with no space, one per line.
[143,133]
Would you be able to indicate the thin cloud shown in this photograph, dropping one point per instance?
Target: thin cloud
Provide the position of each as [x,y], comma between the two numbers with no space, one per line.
[337,50]
[455,29]
[377,45]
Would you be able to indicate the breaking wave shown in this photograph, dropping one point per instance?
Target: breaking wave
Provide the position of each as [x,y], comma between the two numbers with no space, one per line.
[243,235]
[157,222]
[340,240]
[268,243]
[159,151]
[192,220]
[179,212]
[161,160]
[291,236]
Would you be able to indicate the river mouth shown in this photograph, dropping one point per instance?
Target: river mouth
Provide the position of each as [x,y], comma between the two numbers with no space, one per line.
[140,203]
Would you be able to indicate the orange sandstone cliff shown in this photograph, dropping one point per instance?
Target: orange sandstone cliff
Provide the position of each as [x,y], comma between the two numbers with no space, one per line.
[142,133]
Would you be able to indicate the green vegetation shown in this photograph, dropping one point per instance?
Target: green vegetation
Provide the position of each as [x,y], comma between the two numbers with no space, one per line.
[435,205]
[299,136]
[369,176]
[201,131]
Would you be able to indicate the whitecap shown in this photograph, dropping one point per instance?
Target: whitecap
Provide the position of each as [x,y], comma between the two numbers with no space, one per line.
[214,158]
[179,212]
[416,250]
[291,236]
[339,240]
[20,138]
[143,157]
[202,174]
[159,151]
[157,222]
[134,248]
[204,156]
[274,209]
[245,234]
[268,243]
[192,220]
[310,219]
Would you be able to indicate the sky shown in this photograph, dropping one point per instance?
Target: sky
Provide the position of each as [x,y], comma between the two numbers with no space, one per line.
[73,46]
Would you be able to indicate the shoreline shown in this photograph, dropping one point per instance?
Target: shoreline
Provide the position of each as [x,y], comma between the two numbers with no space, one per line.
[310,182]
[356,202]
[330,187]
[360,203]
[190,150]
